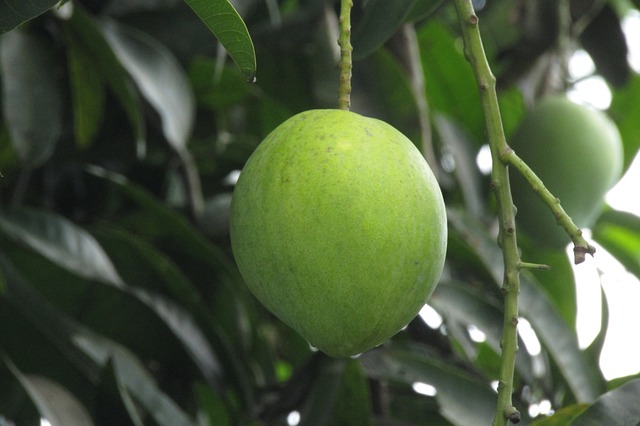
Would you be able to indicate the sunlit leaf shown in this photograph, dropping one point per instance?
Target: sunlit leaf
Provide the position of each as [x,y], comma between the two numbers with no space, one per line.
[31,95]
[449,82]
[60,241]
[226,24]
[16,12]
[619,233]
[625,112]
[159,77]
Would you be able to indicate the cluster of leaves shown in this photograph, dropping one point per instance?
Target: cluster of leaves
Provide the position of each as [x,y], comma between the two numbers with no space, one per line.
[124,125]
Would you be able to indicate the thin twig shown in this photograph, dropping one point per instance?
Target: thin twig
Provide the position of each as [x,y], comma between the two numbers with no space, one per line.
[344,90]
[474,52]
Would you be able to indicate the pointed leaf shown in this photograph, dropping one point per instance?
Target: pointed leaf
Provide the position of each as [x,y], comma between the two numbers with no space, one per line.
[618,407]
[81,30]
[16,12]
[31,95]
[60,241]
[159,77]
[229,28]
[88,92]
[55,403]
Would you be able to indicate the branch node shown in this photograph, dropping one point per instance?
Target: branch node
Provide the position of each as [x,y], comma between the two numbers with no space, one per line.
[512,415]
[581,250]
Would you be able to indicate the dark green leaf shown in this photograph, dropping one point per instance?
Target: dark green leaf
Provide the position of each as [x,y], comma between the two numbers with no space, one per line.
[380,20]
[90,40]
[87,88]
[159,77]
[134,381]
[422,9]
[229,28]
[61,242]
[339,396]
[618,407]
[463,400]
[16,12]
[619,233]
[604,40]
[625,111]
[37,337]
[31,95]
[213,90]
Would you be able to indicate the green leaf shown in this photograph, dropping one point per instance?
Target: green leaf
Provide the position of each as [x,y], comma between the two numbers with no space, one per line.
[81,30]
[87,90]
[60,241]
[462,398]
[619,233]
[625,112]
[381,19]
[37,337]
[558,282]
[229,28]
[16,12]
[449,82]
[31,95]
[618,407]
[55,402]
[159,77]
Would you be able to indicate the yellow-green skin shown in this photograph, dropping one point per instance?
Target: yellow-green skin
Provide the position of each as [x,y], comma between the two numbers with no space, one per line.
[339,228]
[577,152]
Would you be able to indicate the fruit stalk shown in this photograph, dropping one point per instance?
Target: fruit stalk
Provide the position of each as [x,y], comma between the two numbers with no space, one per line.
[344,89]
[474,53]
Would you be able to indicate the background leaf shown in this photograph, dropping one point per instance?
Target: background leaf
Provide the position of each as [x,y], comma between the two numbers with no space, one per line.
[31,95]
[61,242]
[16,12]
[158,76]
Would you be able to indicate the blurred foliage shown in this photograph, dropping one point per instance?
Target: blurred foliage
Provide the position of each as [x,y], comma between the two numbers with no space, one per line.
[125,123]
